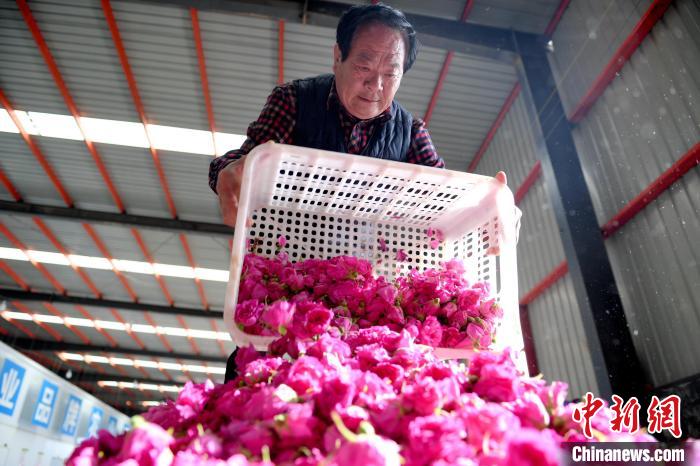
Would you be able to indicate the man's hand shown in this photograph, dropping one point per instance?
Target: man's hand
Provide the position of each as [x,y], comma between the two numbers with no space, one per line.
[501,177]
[228,186]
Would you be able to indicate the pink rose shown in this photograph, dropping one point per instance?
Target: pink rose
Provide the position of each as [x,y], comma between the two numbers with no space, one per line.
[497,382]
[248,312]
[192,398]
[391,372]
[531,411]
[85,454]
[317,320]
[259,370]
[431,333]
[530,447]
[337,393]
[369,450]
[278,314]
[433,438]
[422,396]
[296,427]
[256,437]
[263,404]
[148,444]
[476,332]
[305,376]
[165,415]
[488,422]
[370,355]
[327,345]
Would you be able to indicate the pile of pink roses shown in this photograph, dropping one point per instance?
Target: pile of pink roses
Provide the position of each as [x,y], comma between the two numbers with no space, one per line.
[438,307]
[371,397]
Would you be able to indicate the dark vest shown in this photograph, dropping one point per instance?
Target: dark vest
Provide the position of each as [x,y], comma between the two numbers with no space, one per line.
[318,124]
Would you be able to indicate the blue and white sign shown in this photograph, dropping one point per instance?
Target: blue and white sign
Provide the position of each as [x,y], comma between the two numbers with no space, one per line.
[45,404]
[11,379]
[94,422]
[71,416]
[112,425]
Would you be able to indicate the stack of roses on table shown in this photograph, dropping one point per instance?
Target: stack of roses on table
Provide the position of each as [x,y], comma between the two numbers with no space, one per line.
[352,382]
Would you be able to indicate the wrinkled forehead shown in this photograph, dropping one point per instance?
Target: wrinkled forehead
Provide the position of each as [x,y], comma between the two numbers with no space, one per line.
[376,39]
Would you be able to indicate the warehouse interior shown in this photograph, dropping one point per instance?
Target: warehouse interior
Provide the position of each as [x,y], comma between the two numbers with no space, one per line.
[113,256]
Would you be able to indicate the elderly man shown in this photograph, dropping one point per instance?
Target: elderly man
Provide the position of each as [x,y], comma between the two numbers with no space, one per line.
[352,111]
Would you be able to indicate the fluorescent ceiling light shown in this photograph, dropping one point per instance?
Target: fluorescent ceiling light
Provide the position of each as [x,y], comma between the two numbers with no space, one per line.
[113,325]
[142,328]
[193,141]
[110,325]
[48,319]
[149,364]
[13,254]
[26,123]
[9,315]
[118,361]
[46,257]
[133,266]
[56,126]
[94,358]
[168,270]
[139,362]
[79,322]
[6,123]
[147,386]
[122,133]
[89,262]
[100,263]
[211,274]
[227,141]
[71,356]
[150,404]
[108,383]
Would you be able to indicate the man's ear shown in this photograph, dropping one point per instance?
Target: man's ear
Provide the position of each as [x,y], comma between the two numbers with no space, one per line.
[336,56]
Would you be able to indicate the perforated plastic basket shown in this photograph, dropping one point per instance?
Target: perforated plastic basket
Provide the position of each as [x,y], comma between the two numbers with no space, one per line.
[328,204]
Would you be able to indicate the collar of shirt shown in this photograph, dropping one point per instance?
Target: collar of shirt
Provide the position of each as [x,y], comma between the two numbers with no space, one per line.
[333,99]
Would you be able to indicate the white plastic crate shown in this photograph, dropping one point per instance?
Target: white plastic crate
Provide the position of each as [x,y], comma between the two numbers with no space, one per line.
[328,204]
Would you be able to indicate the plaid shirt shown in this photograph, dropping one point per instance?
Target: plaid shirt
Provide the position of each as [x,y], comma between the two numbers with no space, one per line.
[276,123]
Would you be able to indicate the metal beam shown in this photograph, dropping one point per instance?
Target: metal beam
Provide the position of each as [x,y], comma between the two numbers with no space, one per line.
[475,34]
[477,39]
[689,161]
[111,218]
[29,344]
[21,295]
[616,364]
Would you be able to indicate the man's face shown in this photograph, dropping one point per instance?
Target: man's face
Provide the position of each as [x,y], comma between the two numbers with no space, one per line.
[370,76]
